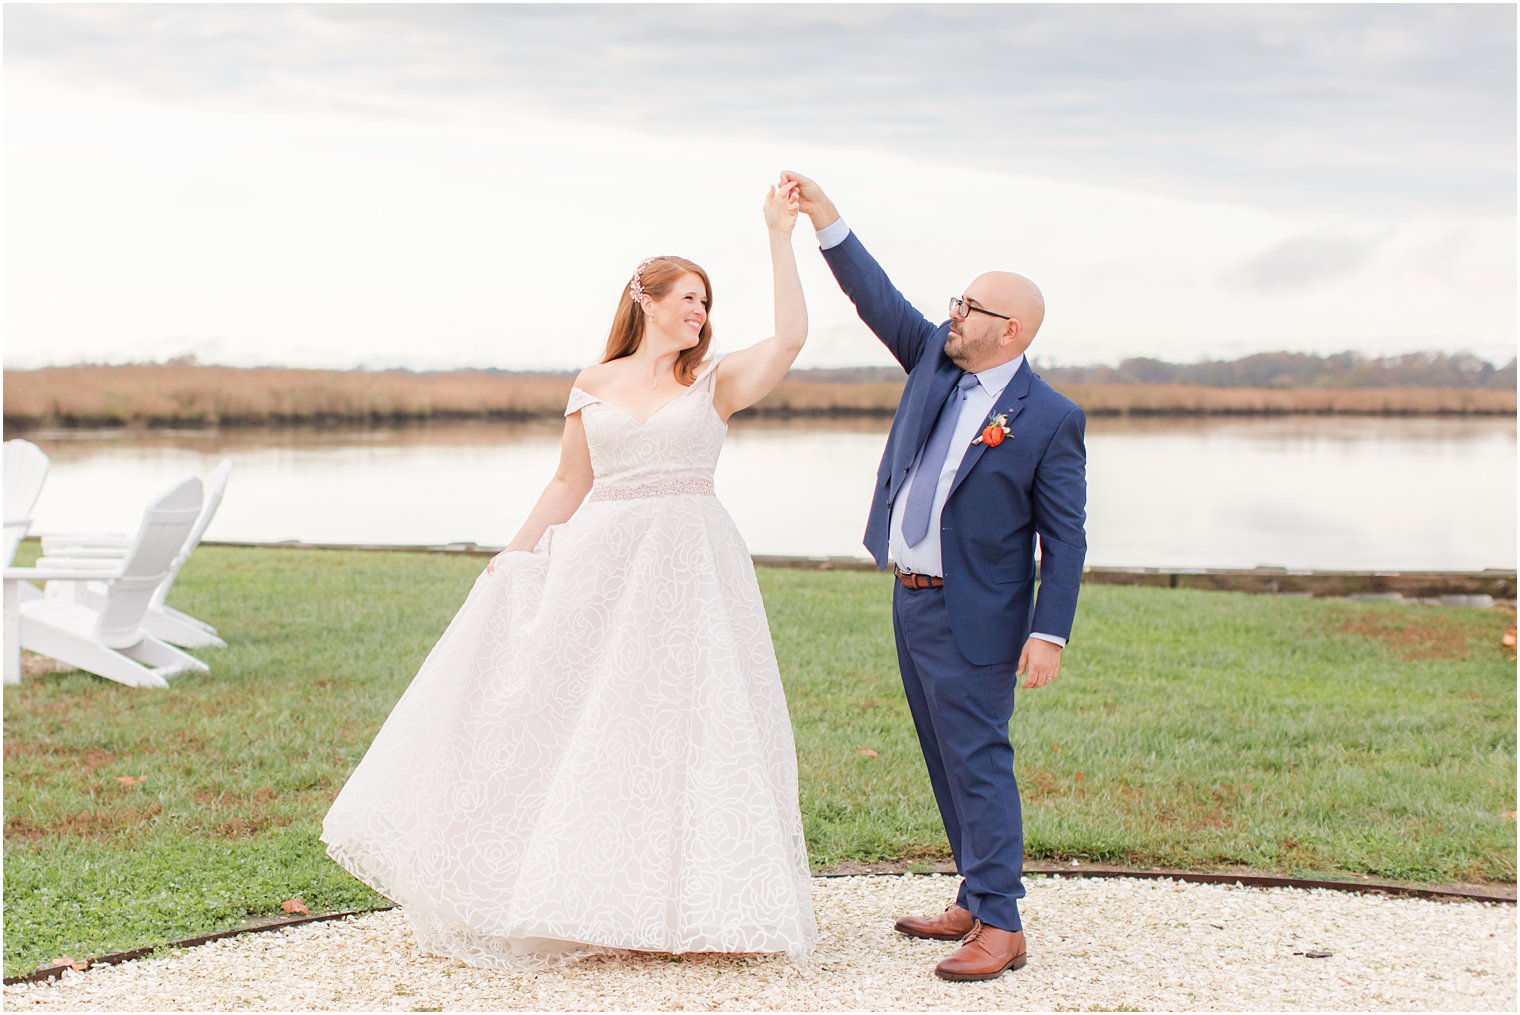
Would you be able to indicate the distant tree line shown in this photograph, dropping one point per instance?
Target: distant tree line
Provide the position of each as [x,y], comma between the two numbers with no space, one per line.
[1262,370]
[1282,370]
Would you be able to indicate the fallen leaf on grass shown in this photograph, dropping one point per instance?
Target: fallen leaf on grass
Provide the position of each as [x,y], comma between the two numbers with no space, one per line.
[78,965]
[1509,638]
[1510,815]
[1078,777]
[295,905]
[131,780]
[1056,748]
[868,752]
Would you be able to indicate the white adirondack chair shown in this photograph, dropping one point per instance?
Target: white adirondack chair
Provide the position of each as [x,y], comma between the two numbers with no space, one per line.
[109,641]
[163,621]
[25,467]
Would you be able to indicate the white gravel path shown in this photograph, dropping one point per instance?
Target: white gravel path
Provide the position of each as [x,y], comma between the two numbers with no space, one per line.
[1101,943]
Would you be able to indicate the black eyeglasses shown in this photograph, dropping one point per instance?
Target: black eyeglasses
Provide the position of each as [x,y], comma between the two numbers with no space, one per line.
[960,308]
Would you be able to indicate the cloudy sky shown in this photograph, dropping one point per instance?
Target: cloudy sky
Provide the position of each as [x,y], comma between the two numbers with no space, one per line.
[470,185]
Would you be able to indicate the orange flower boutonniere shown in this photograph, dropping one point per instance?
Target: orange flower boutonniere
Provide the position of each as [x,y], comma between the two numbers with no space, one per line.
[994,433]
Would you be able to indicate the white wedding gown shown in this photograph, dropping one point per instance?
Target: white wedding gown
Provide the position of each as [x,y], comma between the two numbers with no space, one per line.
[597,753]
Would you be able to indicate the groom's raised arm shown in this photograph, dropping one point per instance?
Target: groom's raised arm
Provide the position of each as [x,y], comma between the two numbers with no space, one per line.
[902,329]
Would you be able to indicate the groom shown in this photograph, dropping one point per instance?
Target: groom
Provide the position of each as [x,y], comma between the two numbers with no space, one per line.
[982,458]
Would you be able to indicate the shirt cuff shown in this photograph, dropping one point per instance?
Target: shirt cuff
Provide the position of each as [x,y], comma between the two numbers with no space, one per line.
[1054,639]
[833,234]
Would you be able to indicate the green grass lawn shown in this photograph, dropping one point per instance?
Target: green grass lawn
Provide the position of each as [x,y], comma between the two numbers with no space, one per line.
[1188,729]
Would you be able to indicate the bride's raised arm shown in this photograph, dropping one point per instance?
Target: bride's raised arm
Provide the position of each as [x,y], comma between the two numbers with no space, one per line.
[746,376]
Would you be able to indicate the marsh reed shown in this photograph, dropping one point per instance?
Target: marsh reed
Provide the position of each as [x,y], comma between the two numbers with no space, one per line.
[158,395]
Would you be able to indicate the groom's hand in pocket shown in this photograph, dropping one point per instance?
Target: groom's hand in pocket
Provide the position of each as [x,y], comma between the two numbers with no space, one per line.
[1038,663]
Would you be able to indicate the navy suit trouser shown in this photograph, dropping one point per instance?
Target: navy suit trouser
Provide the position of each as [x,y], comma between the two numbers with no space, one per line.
[961,711]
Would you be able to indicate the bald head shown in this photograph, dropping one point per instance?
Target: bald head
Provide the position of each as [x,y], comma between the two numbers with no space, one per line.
[1013,294]
[1012,309]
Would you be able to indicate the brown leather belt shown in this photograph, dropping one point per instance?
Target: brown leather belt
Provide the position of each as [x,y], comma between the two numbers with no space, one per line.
[917,581]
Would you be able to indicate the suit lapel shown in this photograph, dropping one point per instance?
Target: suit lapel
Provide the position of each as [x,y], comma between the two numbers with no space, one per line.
[934,400]
[1009,402]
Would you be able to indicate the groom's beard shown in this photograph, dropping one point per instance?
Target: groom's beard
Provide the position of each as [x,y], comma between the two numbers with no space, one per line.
[962,350]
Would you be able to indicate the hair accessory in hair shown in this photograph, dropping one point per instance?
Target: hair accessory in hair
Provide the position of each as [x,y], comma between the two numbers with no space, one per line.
[636,287]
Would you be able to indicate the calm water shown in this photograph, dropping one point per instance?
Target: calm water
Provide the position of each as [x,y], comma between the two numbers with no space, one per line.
[1298,493]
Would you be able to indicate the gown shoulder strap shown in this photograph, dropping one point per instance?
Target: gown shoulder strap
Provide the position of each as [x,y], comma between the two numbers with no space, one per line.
[708,373]
[579,400]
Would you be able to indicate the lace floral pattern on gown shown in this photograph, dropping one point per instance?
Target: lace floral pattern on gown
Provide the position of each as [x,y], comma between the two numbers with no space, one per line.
[597,754]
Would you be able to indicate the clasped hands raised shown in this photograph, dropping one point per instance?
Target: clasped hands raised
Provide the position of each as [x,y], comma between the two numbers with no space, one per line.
[781,207]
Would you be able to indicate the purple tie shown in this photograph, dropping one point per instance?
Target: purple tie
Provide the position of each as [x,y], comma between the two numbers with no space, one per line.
[915,524]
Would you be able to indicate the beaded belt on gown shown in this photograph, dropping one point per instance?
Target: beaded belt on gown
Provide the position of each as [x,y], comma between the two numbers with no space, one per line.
[659,488]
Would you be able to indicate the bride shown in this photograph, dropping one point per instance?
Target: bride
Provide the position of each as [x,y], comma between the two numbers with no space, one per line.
[597,754]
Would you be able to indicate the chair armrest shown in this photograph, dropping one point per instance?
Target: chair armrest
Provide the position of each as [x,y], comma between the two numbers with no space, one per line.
[83,552]
[72,564]
[59,542]
[80,573]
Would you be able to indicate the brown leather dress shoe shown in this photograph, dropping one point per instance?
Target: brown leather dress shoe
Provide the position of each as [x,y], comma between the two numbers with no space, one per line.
[951,925]
[988,951]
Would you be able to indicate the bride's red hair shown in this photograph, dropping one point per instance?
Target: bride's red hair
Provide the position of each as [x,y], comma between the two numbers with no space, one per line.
[657,277]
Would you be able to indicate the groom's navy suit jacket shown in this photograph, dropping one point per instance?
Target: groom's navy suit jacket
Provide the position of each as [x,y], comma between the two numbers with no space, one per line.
[1033,484]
